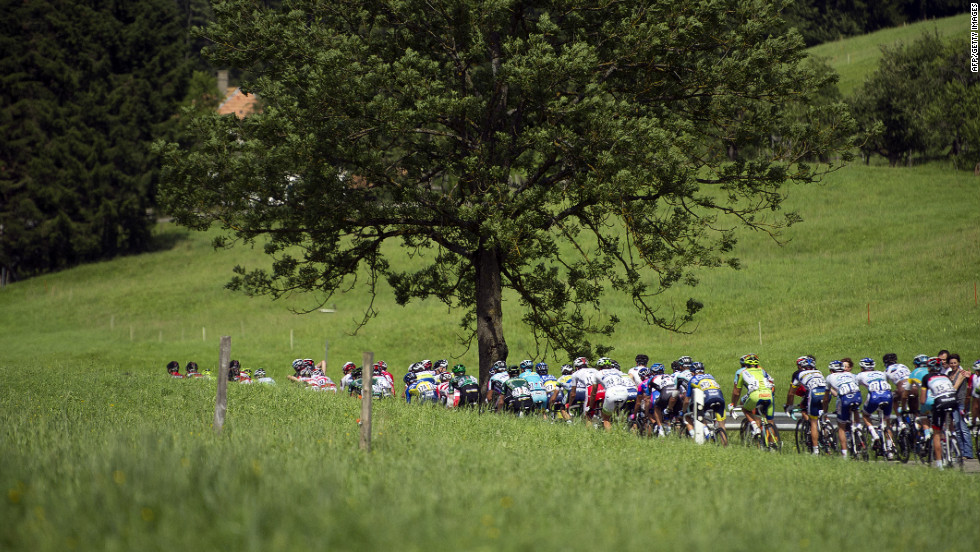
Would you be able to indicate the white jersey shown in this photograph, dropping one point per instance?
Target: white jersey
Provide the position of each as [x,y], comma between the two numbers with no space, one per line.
[497,380]
[875,381]
[634,375]
[583,378]
[266,380]
[345,381]
[844,383]
[974,382]
[812,379]
[897,373]
[611,377]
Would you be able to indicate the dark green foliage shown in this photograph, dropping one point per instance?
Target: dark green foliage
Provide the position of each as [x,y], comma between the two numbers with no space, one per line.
[821,21]
[492,138]
[84,88]
[922,100]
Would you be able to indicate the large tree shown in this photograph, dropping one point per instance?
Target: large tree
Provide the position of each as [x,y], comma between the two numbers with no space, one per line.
[85,87]
[558,149]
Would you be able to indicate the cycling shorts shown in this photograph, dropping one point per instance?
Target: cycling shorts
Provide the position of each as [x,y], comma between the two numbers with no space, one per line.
[717,404]
[468,395]
[540,398]
[518,404]
[846,404]
[940,408]
[882,400]
[813,403]
[615,398]
[760,399]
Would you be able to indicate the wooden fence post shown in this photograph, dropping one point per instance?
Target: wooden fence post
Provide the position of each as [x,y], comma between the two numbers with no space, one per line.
[367,378]
[221,402]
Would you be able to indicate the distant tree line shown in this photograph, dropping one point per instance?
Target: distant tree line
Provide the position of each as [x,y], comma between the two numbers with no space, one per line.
[85,87]
[821,21]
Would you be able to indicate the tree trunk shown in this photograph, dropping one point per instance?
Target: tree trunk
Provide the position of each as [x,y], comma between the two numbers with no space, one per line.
[489,313]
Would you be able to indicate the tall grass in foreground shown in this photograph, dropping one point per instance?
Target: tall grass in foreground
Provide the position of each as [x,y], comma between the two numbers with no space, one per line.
[97,460]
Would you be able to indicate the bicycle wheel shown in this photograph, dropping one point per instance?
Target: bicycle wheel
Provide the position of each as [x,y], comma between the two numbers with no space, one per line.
[951,449]
[860,447]
[802,436]
[773,440]
[721,437]
[745,433]
[828,439]
[904,443]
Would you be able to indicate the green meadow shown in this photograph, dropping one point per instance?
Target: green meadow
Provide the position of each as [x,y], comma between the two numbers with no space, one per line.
[102,451]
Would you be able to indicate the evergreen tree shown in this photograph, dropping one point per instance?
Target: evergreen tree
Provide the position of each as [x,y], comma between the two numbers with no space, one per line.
[86,86]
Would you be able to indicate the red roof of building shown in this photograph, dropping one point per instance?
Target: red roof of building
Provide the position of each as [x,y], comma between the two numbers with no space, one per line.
[238,103]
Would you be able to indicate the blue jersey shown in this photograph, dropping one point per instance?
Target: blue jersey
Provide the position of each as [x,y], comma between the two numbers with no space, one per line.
[707,384]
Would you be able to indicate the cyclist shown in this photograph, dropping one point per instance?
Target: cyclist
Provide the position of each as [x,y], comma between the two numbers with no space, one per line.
[320,382]
[944,402]
[191,370]
[422,390]
[663,394]
[262,377]
[898,375]
[682,377]
[845,387]
[641,361]
[879,398]
[539,396]
[714,399]
[465,389]
[560,396]
[616,384]
[808,382]
[758,387]
[381,368]
[632,390]
[581,386]
[347,378]
[549,382]
[495,387]
[173,368]
[516,395]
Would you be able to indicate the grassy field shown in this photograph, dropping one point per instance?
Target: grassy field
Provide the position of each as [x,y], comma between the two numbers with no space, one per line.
[101,451]
[858,56]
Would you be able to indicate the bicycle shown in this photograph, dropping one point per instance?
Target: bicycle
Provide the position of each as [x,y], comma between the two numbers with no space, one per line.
[883,446]
[910,439]
[857,443]
[826,441]
[712,433]
[952,457]
[767,438]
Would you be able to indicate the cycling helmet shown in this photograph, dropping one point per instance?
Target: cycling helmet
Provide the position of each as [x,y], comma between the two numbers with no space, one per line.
[235,365]
[445,376]
[580,362]
[657,368]
[383,365]
[191,367]
[409,378]
[642,360]
[459,369]
[541,368]
[867,363]
[298,364]
[615,365]
[889,359]
[644,373]
[749,360]
[804,362]
[309,362]
[686,361]
[259,372]
[513,370]
[567,369]
[348,367]
[527,365]
[934,364]
[415,367]
[305,372]
[316,372]
[976,366]
[173,367]
[498,367]
[603,363]
[442,363]
[207,372]
[920,360]
[836,366]
[376,369]
[697,367]
[426,364]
